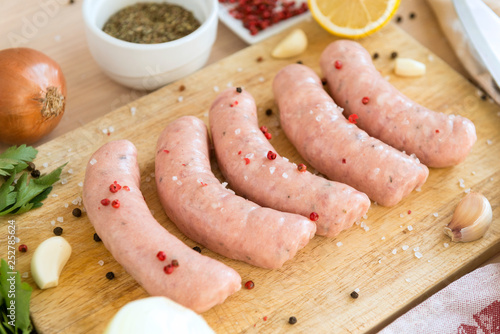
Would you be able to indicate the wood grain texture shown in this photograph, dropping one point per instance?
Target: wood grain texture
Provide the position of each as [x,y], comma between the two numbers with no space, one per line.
[315,286]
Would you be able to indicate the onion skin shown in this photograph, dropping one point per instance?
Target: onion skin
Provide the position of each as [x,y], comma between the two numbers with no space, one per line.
[32,95]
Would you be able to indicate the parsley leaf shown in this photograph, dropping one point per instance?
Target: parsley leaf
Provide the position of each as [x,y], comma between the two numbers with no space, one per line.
[14,159]
[20,296]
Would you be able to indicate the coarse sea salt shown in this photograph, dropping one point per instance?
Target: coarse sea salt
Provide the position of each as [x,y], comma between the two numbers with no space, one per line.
[394,251]
[80,184]
[467,190]
[60,219]
[53,222]
[405,247]
[93,161]
[366,228]
[418,255]
[66,205]
[365,216]
[435,214]
[410,228]
[383,238]
[356,290]
[70,171]
[55,195]
[285,175]
[64,181]
[272,169]
[446,245]
[249,156]
[216,89]
[416,249]
[286,159]
[489,142]
[100,262]
[180,99]
[174,178]
[339,244]
[45,165]
[237,131]
[133,110]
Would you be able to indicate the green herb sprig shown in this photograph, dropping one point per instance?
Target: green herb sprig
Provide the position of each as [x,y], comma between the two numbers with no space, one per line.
[17,294]
[27,193]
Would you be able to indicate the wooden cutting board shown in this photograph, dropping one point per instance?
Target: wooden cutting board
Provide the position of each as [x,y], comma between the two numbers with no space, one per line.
[315,286]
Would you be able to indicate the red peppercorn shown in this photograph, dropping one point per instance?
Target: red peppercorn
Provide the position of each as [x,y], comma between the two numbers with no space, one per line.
[352,118]
[409,212]
[114,187]
[301,168]
[249,285]
[437,131]
[263,128]
[115,204]
[235,103]
[365,100]
[314,216]
[23,248]
[105,202]
[265,318]
[161,256]
[338,64]
[175,263]
[268,135]
[126,188]
[271,155]
[247,161]
[168,269]
[166,151]
[239,152]
[343,161]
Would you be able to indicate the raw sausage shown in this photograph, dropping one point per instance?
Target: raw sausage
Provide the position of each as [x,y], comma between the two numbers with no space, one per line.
[212,215]
[134,237]
[437,139]
[337,148]
[276,183]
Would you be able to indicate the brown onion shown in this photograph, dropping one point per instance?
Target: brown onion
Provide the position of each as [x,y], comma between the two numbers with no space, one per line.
[32,95]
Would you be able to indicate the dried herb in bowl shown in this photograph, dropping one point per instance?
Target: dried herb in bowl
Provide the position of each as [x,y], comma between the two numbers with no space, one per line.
[151,23]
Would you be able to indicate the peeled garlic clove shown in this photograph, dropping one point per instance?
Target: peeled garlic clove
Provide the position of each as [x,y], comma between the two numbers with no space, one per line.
[292,45]
[48,261]
[156,315]
[471,218]
[407,67]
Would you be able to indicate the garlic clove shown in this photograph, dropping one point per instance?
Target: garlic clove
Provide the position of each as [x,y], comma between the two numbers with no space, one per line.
[292,45]
[407,67]
[471,219]
[48,261]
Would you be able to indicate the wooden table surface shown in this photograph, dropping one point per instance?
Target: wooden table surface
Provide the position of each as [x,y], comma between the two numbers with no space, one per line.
[56,28]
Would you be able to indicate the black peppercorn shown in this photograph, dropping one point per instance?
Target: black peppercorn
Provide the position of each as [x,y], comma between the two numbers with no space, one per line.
[299,62]
[394,54]
[292,320]
[323,81]
[413,15]
[77,212]
[96,238]
[58,231]
[238,89]
[35,173]
[483,97]
[269,112]
[399,19]
[375,55]
[110,275]
[198,249]
[31,166]
[354,294]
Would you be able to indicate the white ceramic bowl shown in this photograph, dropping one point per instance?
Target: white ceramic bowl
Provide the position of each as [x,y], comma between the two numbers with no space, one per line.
[149,66]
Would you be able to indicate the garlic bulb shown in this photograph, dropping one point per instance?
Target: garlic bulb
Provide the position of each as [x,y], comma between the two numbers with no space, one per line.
[471,218]
[292,45]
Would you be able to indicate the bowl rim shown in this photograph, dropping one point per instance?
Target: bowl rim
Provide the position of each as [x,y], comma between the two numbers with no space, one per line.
[90,24]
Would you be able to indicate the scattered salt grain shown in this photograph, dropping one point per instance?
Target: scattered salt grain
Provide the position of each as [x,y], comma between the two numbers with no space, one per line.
[17,240]
[66,205]
[60,219]
[180,99]
[272,169]
[111,129]
[410,228]
[245,177]
[363,224]
[105,131]
[53,222]
[365,216]
[224,184]
[80,184]
[216,89]
[229,84]
[133,110]
[405,247]
[435,214]
[286,159]
[237,131]
[408,280]
[179,183]
[261,79]
[489,142]
[467,190]
[64,181]
[45,165]
[339,244]
[55,195]
[416,249]
[366,228]
[446,245]
[383,238]
[430,57]
[285,175]
[418,255]
[356,290]
[100,262]
[70,171]
[394,251]
[418,189]
[93,161]
[174,178]
[249,156]
[379,261]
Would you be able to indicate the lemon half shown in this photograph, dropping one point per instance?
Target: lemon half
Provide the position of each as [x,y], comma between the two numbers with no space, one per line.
[353,18]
